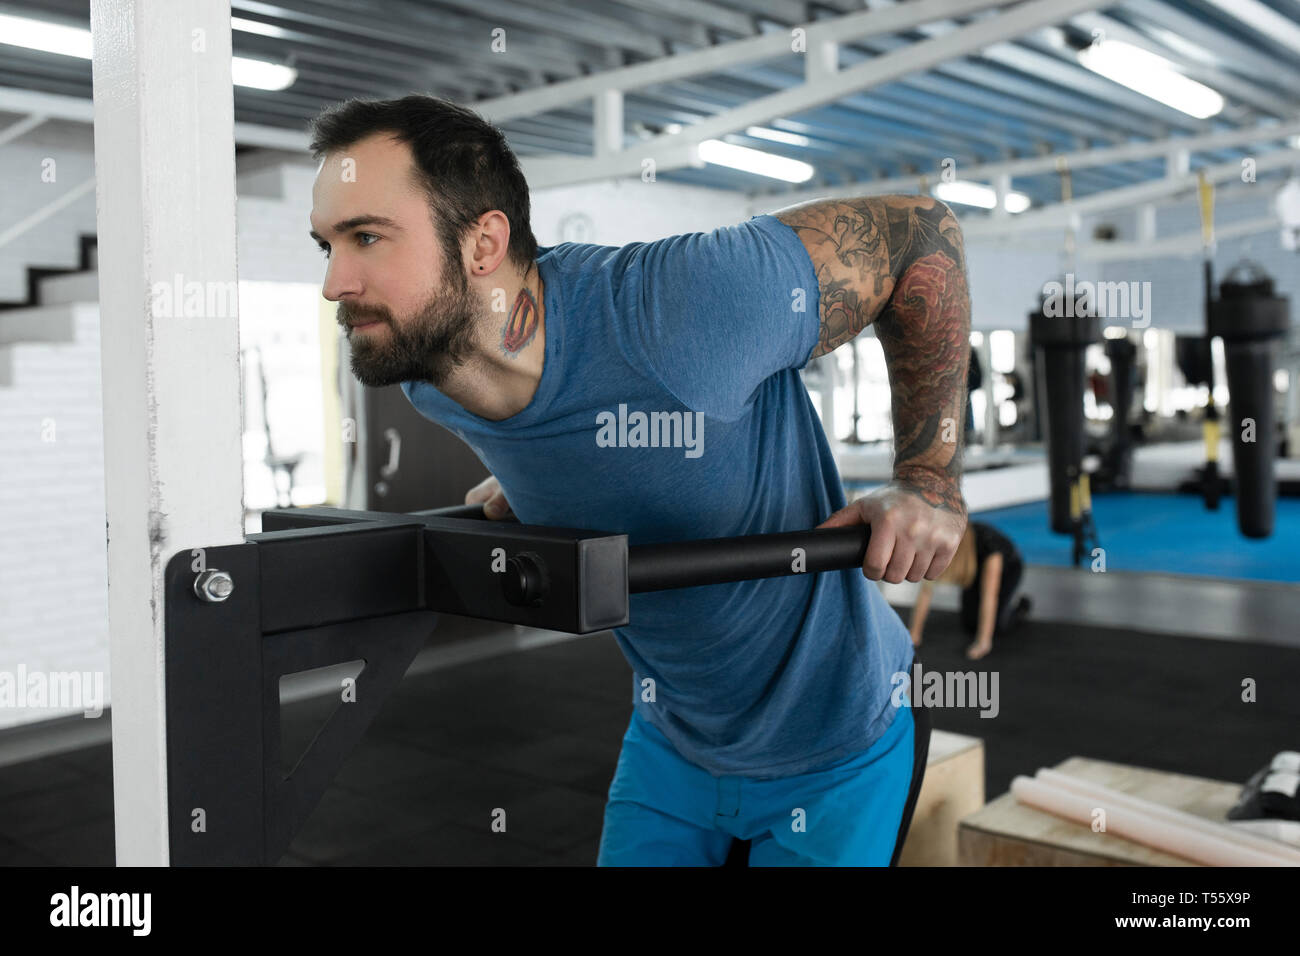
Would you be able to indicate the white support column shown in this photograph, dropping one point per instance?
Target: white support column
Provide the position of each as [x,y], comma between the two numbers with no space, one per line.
[1001,187]
[821,60]
[607,136]
[1177,163]
[1146,223]
[165,165]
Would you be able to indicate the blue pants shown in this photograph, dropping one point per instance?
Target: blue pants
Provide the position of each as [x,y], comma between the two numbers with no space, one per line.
[666,811]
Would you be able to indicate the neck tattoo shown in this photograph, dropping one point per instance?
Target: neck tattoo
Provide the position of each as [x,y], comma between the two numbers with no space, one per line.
[522,324]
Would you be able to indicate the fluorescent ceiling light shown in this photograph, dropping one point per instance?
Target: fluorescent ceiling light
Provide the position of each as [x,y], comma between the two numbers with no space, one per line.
[777,136]
[75,41]
[754,161]
[1152,76]
[256,26]
[260,75]
[41,35]
[977,194]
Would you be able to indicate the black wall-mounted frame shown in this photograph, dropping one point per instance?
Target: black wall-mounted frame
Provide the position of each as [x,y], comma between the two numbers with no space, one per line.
[324,586]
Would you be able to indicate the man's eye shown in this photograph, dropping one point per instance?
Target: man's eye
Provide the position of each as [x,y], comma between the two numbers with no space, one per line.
[325,249]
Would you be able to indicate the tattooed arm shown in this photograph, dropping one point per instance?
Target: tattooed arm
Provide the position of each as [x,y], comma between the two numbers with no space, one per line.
[898,262]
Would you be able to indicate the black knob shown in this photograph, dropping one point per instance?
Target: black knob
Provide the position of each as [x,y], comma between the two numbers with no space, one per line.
[526,581]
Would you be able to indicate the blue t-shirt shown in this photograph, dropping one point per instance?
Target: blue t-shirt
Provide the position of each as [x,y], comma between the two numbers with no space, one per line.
[670,408]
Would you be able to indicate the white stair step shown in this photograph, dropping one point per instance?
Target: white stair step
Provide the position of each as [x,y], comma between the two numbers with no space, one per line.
[6,367]
[46,323]
[74,287]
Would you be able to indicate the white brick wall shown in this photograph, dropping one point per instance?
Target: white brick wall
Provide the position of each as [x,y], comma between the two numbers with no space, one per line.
[633,211]
[53,561]
[272,233]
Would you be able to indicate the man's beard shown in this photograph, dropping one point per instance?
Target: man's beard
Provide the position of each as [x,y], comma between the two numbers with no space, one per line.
[426,347]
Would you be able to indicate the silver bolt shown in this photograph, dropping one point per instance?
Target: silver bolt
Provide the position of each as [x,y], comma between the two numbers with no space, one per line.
[213,586]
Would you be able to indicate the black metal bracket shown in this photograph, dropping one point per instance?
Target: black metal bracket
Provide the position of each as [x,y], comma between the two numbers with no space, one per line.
[323,586]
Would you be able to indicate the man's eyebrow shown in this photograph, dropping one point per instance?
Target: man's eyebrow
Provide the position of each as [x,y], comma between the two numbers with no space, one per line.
[343,225]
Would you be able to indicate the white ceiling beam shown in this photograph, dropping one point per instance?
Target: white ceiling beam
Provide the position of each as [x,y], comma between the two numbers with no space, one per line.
[14,100]
[671,151]
[1059,215]
[846,29]
[705,14]
[270,137]
[1264,20]
[20,128]
[1036,165]
[78,110]
[1184,244]
[1069,73]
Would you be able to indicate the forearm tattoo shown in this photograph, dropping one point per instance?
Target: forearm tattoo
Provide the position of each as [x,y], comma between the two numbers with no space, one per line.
[521,326]
[899,262]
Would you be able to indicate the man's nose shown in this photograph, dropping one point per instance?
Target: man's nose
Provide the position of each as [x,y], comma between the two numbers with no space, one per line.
[339,281]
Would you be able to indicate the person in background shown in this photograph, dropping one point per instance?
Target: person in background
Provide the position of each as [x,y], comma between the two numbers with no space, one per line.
[987,567]
[1019,430]
[974,379]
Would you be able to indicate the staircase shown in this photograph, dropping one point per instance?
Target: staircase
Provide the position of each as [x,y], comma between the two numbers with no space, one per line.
[48,314]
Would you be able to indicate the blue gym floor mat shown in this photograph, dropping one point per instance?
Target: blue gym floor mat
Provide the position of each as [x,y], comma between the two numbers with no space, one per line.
[1164,533]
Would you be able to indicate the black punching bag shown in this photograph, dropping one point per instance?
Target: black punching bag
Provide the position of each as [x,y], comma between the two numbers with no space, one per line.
[1060,336]
[1123,374]
[1251,319]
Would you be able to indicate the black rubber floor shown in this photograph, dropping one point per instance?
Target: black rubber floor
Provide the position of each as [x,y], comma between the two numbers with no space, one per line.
[537,734]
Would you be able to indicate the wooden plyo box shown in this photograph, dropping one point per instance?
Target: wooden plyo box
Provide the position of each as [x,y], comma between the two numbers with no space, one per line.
[953,788]
[1009,833]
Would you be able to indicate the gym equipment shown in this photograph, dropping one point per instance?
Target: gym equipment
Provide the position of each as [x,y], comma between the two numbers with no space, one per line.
[1117,456]
[1251,320]
[323,586]
[1195,361]
[1211,485]
[1059,344]
[1082,527]
[1152,824]
[1272,791]
[276,464]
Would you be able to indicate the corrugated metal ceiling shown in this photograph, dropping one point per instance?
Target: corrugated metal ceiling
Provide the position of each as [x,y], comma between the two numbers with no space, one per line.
[1017,98]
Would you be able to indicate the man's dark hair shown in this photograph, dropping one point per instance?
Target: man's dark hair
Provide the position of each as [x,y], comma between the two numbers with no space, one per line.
[463,163]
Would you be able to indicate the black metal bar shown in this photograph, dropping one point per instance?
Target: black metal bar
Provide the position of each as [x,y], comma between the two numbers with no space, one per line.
[463,511]
[454,511]
[686,564]
[566,579]
[323,575]
[287,519]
